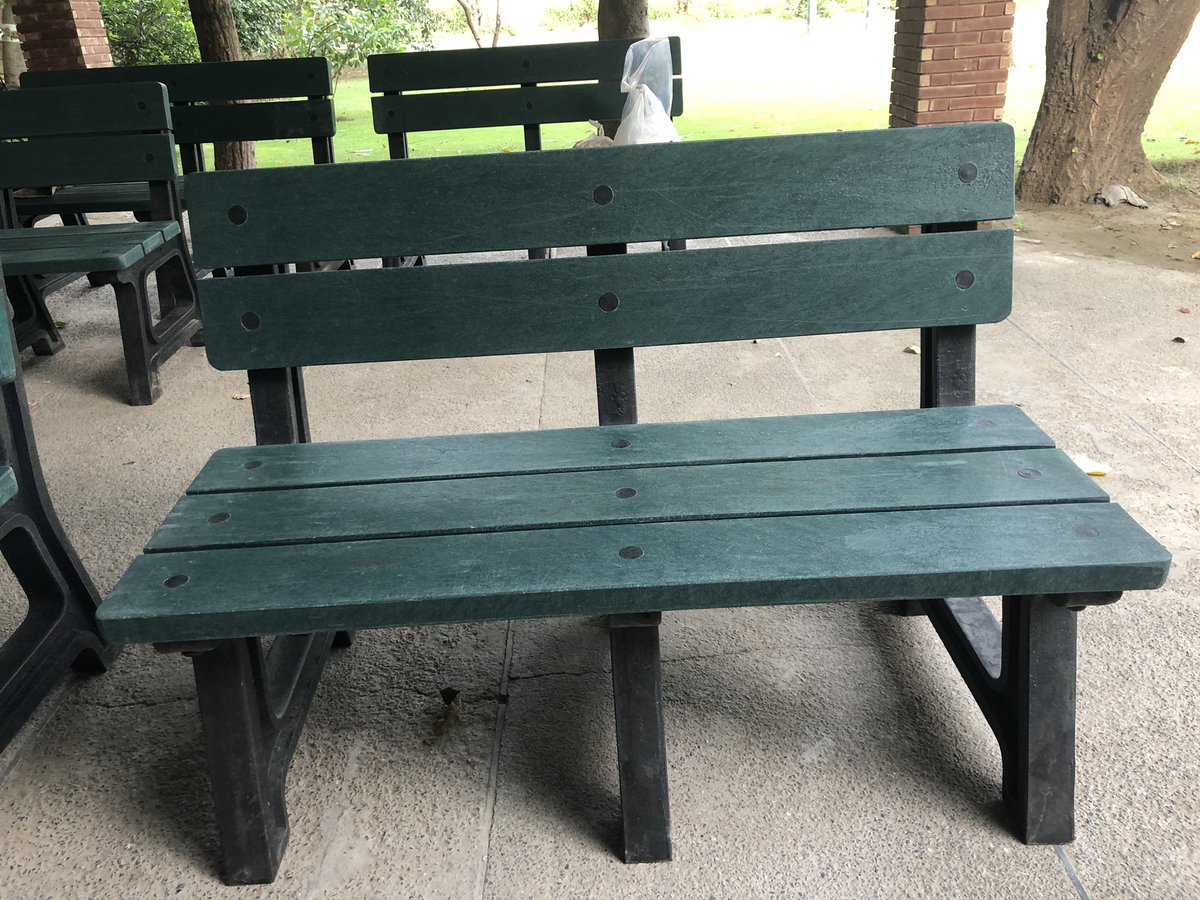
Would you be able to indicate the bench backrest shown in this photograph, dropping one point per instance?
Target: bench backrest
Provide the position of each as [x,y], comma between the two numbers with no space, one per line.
[88,135]
[943,178]
[288,99]
[533,86]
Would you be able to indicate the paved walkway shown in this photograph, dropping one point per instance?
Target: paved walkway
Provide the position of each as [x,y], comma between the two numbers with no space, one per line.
[814,752]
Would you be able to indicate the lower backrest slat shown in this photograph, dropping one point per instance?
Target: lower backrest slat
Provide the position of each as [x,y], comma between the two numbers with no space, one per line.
[735,293]
[269,121]
[90,159]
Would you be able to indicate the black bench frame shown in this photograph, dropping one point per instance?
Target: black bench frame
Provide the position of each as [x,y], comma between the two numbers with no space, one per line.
[59,630]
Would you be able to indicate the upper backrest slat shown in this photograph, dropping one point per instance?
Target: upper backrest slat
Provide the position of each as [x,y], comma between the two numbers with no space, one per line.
[269,121]
[498,66]
[615,195]
[95,109]
[259,79]
[485,309]
[505,106]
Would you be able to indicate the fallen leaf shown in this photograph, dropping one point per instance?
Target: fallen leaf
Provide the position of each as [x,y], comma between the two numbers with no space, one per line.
[1090,466]
[1185,310]
[913,349]
[58,324]
[449,717]
[1179,340]
[1196,255]
[241,396]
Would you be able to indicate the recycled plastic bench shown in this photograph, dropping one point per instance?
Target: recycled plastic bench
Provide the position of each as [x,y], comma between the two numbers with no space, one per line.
[625,520]
[58,631]
[98,135]
[249,100]
[529,86]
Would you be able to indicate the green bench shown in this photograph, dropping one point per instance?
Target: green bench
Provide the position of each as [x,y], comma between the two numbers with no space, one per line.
[625,520]
[251,100]
[58,631]
[98,135]
[527,86]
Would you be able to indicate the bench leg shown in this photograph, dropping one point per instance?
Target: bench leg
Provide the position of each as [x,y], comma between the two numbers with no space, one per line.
[641,737]
[148,344]
[32,322]
[1023,678]
[252,706]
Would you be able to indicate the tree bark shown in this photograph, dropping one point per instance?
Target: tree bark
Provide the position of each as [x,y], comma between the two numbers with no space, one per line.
[617,19]
[216,33]
[1105,63]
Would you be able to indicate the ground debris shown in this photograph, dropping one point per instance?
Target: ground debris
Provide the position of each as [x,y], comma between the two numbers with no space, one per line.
[1116,194]
[1179,339]
[914,349]
[1089,465]
[452,697]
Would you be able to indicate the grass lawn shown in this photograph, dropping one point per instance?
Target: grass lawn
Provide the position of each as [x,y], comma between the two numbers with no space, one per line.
[760,75]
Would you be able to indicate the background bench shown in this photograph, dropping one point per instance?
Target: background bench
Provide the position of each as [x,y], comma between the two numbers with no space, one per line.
[59,630]
[627,520]
[98,135]
[529,86]
[292,100]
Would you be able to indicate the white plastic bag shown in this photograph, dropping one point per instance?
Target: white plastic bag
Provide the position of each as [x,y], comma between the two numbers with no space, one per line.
[647,80]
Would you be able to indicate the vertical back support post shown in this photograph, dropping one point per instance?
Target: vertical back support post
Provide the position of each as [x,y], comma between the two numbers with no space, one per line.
[635,648]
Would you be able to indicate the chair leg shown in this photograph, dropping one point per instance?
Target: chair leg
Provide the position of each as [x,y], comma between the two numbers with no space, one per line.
[250,734]
[1022,675]
[641,738]
[1038,749]
[32,322]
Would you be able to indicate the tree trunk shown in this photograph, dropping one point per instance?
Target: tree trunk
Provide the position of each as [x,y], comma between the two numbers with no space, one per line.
[623,19]
[216,33]
[616,19]
[1105,62]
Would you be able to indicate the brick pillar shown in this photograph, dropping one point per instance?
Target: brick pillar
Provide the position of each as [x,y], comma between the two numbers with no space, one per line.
[62,34]
[950,63]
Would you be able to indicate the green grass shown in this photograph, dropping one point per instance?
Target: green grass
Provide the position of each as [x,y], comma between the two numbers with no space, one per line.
[765,76]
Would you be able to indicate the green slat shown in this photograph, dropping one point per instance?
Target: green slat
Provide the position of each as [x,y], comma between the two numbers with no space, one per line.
[715,189]
[76,235]
[8,480]
[510,106]
[578,571]
[87,160]
[85,198]
[829,435]
[538,63]
[8,360]
[83,110]
[282,120]
[520,502]
[91,248]
[260,79]
[732,293]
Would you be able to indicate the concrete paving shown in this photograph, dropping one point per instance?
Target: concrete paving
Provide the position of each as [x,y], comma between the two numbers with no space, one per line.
[814,752]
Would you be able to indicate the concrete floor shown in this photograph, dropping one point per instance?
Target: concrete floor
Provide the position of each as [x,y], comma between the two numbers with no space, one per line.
[815,752]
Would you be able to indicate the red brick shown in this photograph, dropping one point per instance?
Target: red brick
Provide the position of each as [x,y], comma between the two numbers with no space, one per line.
[973,103]
[983,23]
[953,38]
[945,117]
[954,12]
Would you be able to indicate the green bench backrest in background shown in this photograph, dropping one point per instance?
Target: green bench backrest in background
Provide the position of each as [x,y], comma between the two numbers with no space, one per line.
[707,189]
[88,135]
[531,82]
[200,95]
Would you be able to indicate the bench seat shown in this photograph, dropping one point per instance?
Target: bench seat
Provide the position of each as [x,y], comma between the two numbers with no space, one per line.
[905,504]
[81,248]
[76,199]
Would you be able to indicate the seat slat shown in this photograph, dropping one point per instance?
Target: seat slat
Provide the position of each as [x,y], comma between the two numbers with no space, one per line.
[685,190]
[731,293]
[433,70]
[1047,549]
[829,435]
[514,106]
[261,79]
[87,235]
[8,479]
[86,198]
[471,505]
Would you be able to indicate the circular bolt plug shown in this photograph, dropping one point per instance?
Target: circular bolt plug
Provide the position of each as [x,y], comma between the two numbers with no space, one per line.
[620,443]
[626,493]
[632,553]
[176,581]
[603,194]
